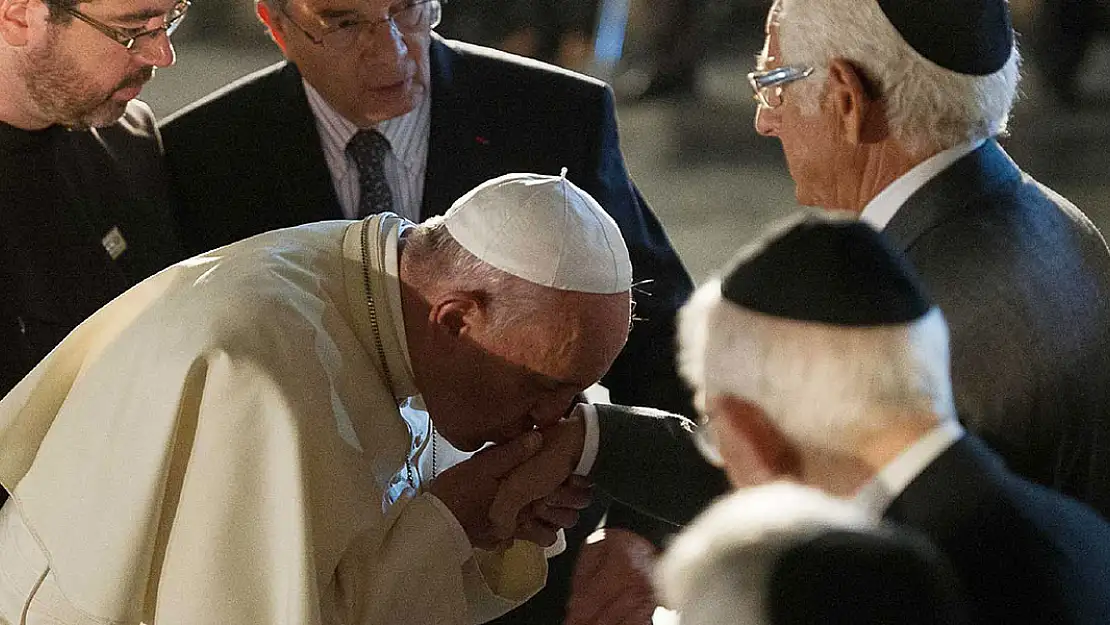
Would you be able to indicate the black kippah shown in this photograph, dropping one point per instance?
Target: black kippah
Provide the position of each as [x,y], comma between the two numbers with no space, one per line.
[836,272]
[843,577]
[965,36]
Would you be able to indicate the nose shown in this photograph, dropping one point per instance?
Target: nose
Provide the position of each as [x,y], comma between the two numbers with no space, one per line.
[766,121]
[157,51]
[395,38]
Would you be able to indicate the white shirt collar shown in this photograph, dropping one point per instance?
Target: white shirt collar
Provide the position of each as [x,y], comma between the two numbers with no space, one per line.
[877,495]
[882,208]
[336,130]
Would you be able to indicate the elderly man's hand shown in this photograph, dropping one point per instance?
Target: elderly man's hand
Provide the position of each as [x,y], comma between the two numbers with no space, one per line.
[468,489]
[612,581]
[541,520]
[540,475]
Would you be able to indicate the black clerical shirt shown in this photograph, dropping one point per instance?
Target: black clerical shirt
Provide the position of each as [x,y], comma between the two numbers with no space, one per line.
[83,216]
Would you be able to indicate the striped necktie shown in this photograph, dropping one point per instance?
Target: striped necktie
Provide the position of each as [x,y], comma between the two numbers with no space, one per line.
[368,149]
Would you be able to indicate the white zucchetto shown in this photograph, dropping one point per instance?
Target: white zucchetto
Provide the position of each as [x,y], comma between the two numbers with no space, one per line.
[545,230]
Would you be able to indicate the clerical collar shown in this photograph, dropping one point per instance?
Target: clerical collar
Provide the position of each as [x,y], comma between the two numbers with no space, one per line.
[882,208]
[374,292]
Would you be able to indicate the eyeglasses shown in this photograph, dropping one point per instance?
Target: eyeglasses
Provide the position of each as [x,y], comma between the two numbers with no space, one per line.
[407,16]
[131,37]
[768,84]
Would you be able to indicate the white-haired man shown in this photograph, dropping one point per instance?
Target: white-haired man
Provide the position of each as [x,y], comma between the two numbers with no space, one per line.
[787,554]
[890,109]
[818,357]
[250,427]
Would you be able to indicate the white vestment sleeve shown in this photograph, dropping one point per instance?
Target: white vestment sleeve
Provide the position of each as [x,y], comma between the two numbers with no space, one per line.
[424,571]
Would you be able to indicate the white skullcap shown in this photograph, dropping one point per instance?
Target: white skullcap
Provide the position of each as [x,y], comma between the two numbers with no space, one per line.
[545,230]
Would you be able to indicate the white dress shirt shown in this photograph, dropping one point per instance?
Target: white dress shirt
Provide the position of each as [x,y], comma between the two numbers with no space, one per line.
[877,495]
[882,208]
[405,162]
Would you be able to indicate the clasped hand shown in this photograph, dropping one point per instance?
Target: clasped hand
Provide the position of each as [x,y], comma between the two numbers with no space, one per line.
[522,489]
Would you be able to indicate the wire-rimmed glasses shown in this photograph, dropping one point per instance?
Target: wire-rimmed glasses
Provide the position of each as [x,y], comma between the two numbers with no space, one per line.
[768,84]
[130,37]
[406,16]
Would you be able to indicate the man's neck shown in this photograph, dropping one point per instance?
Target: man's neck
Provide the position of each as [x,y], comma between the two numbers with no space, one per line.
[15,107]
[881,164]
[844,474]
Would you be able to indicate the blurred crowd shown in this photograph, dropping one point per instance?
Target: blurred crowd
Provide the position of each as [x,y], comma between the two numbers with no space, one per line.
[666,41]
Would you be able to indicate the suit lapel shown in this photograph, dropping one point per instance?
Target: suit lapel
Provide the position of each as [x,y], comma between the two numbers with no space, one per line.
[460,152]
[300,170]
[959,186]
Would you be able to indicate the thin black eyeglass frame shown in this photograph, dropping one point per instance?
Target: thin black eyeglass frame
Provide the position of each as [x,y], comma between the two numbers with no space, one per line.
[170,23]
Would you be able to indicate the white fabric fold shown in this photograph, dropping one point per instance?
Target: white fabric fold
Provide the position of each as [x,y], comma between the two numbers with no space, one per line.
[240,467]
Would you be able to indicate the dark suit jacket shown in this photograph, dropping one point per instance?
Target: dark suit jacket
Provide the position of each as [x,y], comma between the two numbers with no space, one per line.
[1023,279]
[1024,554]
[666,477]
[247,159]
[61,192]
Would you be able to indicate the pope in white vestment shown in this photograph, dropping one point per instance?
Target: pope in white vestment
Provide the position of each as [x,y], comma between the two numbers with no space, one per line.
[259,471]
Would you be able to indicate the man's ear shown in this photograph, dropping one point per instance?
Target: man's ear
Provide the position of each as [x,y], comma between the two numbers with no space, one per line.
[15,20]
[851,101]
[460,313]
[262,9]
[774,455]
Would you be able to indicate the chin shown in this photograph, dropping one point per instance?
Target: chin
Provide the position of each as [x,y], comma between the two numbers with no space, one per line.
[102,116]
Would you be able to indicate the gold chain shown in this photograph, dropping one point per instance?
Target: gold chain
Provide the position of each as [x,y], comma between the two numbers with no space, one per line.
[374,326]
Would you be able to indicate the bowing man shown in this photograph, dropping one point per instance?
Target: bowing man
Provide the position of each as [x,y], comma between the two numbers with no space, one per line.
[250,424]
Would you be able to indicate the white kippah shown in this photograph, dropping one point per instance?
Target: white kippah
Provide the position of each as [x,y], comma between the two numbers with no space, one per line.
[545,230]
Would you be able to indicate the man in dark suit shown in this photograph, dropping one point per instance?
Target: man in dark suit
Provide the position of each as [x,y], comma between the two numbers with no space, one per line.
[285,146]
[1022,275]
[83,208]
[853,397]
[819,358]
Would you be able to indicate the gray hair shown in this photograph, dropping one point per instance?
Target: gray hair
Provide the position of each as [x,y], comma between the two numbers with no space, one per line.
[929,108]
[825,387]
[510,300]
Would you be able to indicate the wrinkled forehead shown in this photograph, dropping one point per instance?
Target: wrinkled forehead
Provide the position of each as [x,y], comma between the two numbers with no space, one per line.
[772,17]
[326,7]
[768,56]
[592,329]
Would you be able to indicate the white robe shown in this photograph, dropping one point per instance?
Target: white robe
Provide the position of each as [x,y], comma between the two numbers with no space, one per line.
[219,445]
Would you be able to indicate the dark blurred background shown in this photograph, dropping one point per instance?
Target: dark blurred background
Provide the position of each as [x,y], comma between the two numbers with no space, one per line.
[685,108]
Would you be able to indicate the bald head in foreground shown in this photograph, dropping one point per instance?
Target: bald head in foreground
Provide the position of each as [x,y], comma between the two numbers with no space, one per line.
[250,424]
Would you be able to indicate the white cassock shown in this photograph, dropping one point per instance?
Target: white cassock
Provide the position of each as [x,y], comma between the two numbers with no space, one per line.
[222,444]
